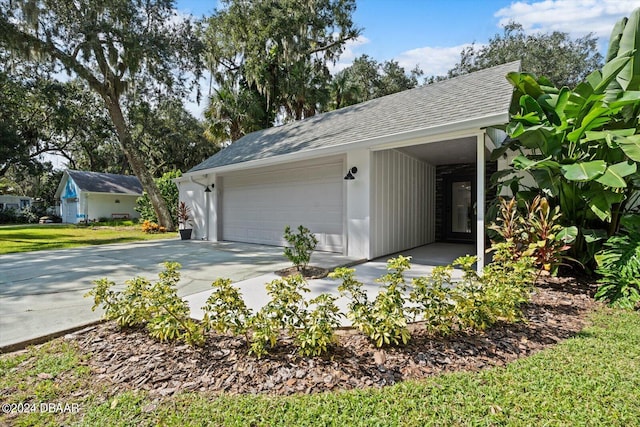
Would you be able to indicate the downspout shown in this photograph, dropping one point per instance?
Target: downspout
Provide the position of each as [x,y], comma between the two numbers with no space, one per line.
[206,203]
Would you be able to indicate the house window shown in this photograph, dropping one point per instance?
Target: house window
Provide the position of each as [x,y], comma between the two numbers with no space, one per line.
[24,203]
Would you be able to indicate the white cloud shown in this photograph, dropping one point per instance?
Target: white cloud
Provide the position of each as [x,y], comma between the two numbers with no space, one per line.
[434,61]
[576,17]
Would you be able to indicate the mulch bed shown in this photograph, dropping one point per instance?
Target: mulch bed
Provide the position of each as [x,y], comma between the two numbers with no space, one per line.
[132,360]
[309,272]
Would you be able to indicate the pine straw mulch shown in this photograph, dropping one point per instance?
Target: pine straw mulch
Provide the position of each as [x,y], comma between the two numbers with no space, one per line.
[132,360]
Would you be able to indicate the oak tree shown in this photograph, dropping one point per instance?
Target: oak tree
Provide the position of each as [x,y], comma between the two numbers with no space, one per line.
[116,47]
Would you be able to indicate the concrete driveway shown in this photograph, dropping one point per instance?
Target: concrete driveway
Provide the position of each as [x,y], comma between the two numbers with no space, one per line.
[41,293]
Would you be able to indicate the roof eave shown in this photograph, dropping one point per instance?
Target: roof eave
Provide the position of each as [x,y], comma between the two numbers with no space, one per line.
[448,128]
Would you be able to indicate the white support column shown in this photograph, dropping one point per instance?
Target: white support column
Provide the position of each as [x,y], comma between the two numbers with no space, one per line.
[357,203]
[214,210]
[480,202]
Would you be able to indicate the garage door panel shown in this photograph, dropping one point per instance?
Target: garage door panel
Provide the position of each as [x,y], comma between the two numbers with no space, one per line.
[256,207]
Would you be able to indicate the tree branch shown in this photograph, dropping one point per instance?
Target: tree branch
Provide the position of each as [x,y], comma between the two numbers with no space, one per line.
[332,44]
[22,42]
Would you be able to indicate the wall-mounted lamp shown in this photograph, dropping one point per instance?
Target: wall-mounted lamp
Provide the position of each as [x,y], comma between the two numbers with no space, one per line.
[349,176]
[117,200]
[207,189]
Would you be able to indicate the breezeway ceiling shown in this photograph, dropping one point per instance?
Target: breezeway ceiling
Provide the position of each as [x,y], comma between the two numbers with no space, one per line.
[453,151]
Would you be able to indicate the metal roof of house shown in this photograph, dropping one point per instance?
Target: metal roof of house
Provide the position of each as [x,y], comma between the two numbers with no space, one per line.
[472,96]
[98,182]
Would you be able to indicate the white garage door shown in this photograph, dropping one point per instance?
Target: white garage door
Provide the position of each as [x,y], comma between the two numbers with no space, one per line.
[257,205]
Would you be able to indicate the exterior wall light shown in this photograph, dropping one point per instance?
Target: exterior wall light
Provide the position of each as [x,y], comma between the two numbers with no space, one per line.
[349,176]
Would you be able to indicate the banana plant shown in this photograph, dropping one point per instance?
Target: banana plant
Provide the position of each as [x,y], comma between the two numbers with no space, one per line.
[582,146]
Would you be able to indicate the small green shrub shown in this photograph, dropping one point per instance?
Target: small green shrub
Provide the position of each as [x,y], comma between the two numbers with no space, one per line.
[170,315]
[225,310]
[318,332]
[303,243]
[286,310]
[472,308]
[498,294]
[157,306]
[508,282]
[431,301]
[384,320]
[619,265]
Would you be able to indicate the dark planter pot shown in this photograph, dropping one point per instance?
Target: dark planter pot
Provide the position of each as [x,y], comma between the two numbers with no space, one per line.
[185,233]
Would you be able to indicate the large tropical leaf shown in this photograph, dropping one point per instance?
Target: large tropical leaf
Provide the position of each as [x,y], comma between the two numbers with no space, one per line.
[629,97]
[592,235]
[630,145]
[530,106]
[547,180]
[584,171]
[614,175]
[610,71]
[554,105]
[568,234]
[629,76]
[614,39]
[522,162]
[601,202]
[525,83]
[607,134]
[596,117]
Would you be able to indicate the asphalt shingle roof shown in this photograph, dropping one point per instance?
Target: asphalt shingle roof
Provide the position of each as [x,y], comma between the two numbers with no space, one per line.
[98,182]
[471,96]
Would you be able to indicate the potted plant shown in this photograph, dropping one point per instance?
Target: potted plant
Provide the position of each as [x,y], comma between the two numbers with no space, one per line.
[184,219]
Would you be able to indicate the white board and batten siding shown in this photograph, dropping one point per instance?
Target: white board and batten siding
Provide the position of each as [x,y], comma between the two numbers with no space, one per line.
[257,204]
[403,202]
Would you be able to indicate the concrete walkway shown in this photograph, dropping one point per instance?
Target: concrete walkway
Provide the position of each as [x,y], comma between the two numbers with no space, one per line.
[42,293]
[423,260]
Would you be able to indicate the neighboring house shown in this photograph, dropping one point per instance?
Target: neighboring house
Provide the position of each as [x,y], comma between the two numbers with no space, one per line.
[89,196]
[369,180]
[10,201]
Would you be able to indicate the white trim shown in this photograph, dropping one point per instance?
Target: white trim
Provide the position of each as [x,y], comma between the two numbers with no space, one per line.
[480,200]
[447,131]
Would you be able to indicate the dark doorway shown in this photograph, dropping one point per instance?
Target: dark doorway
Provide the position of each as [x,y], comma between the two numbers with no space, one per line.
[459,208]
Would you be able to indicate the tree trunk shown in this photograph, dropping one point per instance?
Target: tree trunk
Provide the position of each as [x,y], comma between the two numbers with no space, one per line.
[137,164]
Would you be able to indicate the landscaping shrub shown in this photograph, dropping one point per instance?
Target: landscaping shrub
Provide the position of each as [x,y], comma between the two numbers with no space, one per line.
[303,243]
[9,216]
[445,305]
[287,310]
[383,320]
[535,232]
[481,301]
[619,265]
[152,227]
[431,301]
[170,194]
[156,306]
[319,328]
[225,310]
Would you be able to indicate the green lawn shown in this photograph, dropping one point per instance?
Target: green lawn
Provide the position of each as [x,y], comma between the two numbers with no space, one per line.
[592,379]
[38,237]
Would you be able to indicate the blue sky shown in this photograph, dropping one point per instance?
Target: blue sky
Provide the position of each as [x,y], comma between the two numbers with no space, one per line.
[431,33]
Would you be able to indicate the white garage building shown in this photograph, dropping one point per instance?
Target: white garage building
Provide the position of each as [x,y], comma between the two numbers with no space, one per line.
[371,179]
